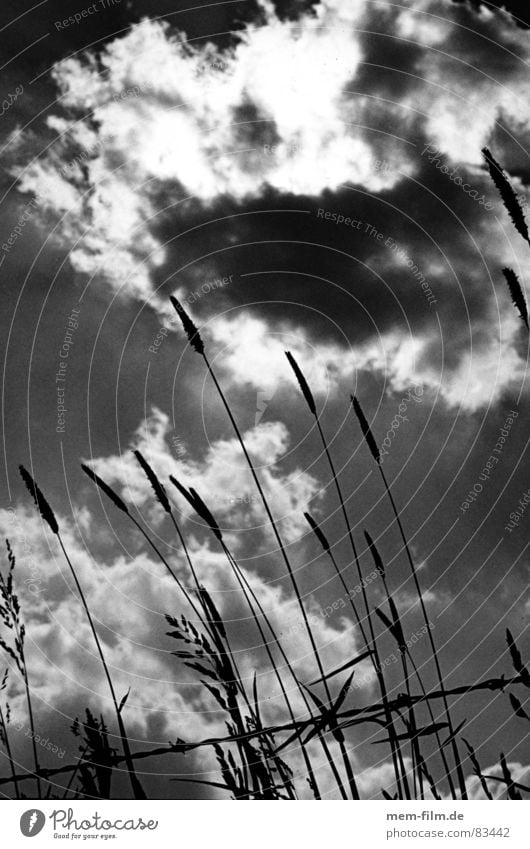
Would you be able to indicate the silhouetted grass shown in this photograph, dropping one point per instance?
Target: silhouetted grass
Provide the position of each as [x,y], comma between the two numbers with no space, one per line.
[251,757]
[507,193]
[11,617]
[375,453]
[49,517]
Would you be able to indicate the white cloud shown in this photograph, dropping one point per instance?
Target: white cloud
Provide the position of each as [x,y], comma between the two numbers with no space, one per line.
[165,112]
[222,478]
[252,353]
[170,119]
[519,772]
[128,597]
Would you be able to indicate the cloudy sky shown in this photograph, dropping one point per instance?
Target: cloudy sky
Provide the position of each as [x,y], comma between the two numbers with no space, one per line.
[304,176]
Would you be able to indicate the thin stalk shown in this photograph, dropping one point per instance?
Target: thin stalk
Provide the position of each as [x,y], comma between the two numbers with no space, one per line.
[374,654]
[20,641]
[199,506]
[242,578]
[374,450]
[420,682]
[225,649]
[74,773]
[357,715]
[3,726]
[397,758]
[414,744]
[236,677]
[193,498]
[238,680]
[137,788]
[243,583]
[433,721]
[456,754]
[281,546]
[395,748]
[180,585]
[185,550]
[284,693]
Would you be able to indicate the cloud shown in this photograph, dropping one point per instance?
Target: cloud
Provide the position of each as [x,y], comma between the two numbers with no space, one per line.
[519,772]
[222,478]
[128,597]
[199,120]
[252,352]
[175,130]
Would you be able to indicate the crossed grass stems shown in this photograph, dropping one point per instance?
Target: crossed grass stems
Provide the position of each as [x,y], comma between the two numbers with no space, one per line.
[250,757]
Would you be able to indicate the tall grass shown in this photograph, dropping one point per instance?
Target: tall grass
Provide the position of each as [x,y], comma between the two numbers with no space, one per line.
[5,715]
[251,757]
[49,517]
[370,440]
[15,650]
[197,343]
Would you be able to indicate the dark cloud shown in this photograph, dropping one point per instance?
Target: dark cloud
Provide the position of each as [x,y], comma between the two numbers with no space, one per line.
[517,8]
[292,268]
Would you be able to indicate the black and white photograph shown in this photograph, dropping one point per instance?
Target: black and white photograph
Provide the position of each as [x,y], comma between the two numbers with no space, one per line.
[265,502]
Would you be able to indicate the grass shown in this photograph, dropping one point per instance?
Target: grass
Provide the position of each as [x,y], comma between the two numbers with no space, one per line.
[251,757]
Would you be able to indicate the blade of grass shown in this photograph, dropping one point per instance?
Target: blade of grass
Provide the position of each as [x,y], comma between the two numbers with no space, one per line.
[48,515]
[382,572]
[306,391]
[371,442]
[4,737]
[10,611]
[195,340]
[247,588]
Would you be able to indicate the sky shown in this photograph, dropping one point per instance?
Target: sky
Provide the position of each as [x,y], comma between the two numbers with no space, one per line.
[304,177]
